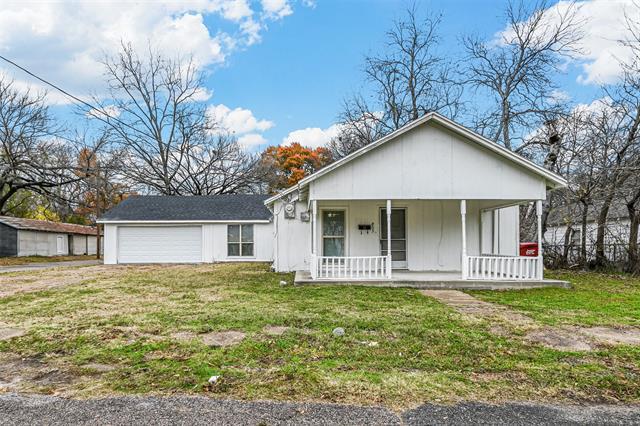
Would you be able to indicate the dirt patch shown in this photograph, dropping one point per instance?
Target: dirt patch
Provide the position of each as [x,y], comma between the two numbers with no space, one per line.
[10,333]
[20,374]
[613,336]
[183,336]
[275,330]
[99,368]
[559,339]
[223,338]
[26,282]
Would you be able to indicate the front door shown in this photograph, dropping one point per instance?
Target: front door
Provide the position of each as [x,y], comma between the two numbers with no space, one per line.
[398,237]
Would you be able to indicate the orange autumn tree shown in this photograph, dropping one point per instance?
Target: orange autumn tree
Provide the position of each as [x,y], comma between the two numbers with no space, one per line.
[285,166]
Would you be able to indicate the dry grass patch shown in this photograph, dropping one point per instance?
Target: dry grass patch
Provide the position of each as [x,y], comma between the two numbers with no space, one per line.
[25,260]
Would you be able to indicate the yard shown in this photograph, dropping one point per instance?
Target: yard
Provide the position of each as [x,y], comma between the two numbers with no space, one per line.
[24,260]
[141,330]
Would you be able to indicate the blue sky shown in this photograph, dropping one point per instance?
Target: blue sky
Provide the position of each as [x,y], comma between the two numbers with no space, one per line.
[273,67]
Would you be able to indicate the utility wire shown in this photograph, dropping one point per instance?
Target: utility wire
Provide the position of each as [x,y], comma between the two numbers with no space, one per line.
[75,98]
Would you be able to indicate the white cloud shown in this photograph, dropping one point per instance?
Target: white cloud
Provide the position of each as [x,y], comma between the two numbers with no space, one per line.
[111,110]
[603,25]
[312,137]
[238,120]
[277,8]
[65,42]
[252,140]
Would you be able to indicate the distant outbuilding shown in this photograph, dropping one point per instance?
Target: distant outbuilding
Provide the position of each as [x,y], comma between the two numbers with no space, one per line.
[30,237]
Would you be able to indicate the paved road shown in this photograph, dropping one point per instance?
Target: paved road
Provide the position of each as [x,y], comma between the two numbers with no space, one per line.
[47,410]
[48,265]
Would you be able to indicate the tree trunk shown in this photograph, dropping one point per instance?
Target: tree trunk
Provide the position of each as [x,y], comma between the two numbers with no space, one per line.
[601,259]
[583,235]
[567,245]
[633,260]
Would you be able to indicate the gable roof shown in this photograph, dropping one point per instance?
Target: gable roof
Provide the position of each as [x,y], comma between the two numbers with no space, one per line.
[210,208]
[553,179]
[46,226]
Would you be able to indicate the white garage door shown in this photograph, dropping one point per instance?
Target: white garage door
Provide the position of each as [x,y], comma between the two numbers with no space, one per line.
[159,244]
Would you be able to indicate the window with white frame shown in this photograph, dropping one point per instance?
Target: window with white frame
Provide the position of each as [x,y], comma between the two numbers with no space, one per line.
[239,240]
[333,232]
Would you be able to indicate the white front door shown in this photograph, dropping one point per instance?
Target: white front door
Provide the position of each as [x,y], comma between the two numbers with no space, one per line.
[159,244]
[398,236]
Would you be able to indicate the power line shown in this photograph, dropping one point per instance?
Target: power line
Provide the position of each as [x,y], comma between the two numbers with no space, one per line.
[75,98]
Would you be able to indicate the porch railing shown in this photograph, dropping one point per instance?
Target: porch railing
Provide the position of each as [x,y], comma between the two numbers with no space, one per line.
[350,267]
[493,267]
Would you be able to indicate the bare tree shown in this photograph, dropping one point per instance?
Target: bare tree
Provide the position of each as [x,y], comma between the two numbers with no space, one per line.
[409,79]
[33,155]
[218,166]
[152,113]
[624,121]
[517,70]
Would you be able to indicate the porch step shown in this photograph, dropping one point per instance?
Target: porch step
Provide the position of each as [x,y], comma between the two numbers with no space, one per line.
[304,278]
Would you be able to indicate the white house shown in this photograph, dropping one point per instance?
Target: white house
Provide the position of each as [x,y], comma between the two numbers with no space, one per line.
[448,196]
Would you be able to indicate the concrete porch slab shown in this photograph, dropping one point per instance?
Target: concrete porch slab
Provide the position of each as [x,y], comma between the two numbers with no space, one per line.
[431,280]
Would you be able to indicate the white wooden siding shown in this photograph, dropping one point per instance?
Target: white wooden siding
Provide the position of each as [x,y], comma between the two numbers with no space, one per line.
[213,242]
[429,162]
[433,233]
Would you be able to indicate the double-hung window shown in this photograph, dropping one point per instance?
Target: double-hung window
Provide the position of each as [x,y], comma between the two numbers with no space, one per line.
[239,240]
[333,232]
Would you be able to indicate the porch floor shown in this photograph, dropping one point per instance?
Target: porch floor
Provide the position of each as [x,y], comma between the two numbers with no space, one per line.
[431,280]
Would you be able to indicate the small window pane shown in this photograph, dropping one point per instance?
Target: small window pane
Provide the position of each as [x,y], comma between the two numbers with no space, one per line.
[247,249]
[397,224]
[233,233]
[247,233]
[398,255]
[398,245]
[233,249]
[333,223]
[333,246]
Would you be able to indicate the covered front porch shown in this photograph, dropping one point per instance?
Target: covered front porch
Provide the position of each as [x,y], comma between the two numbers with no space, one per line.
[438,243]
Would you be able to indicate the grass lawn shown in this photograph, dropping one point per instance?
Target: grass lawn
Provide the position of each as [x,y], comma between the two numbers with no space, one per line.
[23,260]
[595,299]
[400,349]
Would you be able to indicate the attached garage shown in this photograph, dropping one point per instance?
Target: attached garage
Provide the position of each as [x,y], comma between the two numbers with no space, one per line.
[191,229]
[160,244]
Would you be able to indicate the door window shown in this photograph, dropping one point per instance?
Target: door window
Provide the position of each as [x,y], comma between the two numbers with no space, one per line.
[398,234]
[333,232]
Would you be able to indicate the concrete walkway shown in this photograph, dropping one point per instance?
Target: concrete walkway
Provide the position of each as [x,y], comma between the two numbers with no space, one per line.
[41,410]
[48,265]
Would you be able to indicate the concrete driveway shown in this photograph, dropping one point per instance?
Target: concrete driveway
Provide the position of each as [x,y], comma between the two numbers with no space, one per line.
[48,265]
[41,410]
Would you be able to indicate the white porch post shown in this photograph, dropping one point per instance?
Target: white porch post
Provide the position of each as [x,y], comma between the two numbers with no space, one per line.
[389,239]
[540,261]
[463,217]
[314,239]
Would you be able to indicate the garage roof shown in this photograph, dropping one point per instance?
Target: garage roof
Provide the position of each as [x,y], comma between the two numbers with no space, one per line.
[47,226]
[163,208]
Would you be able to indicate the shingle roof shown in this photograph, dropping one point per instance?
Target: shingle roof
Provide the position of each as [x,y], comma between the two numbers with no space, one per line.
[47,226]
[192,208]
